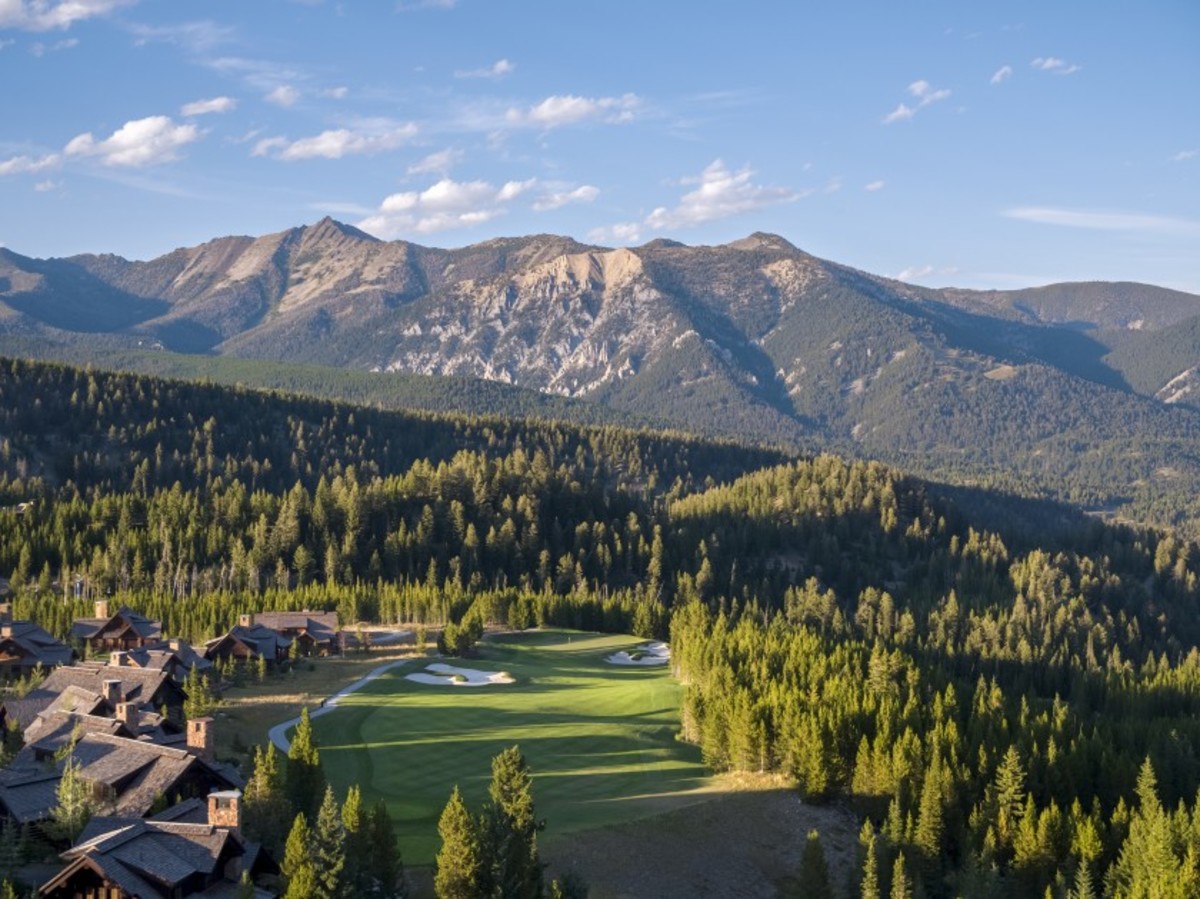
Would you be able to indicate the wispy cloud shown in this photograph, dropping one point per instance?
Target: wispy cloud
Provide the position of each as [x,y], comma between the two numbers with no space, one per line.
[196,37]
[1104,221]
[1002,74]
[208,107]
[875,185]
[585,193]
[914,272]
[567,109]
[923,94]
[1185,155]
[444,206]
[373,136]
[439,163]
[336,93]
[1055,65]
[43,187]
[499,69]
[46,15]
[718,193]
[284,95]
[40,49]
[21,165]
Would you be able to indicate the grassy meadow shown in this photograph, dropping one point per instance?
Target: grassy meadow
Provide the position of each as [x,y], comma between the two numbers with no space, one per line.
[599,738]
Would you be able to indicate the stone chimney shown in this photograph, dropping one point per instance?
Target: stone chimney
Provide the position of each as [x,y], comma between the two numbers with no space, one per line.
[6,630]
[118,658]
[5,612]
[225,809]
[130,715]
[102,608]
[246,619]
[112,692]
[174,644]
[201,741]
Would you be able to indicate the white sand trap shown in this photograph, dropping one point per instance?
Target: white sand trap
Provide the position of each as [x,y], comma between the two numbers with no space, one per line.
[449,676]
[646,654]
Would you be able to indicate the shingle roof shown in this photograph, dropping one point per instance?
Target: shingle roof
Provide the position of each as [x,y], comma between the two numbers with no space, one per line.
[258,638]
[87,628]
[31,645]
[321,626]
[158,656]
[137,685]
[29,795]
[149,858]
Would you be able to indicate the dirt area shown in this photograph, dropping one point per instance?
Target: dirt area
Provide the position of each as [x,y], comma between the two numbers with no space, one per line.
[744,842]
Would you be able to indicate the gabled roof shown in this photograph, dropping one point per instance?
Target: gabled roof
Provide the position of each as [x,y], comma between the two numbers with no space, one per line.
[149,858]
[321,626]
[52,730]
[125,619]
[258,638]
[137,685]
[159,656]
[135,772]
[31,645]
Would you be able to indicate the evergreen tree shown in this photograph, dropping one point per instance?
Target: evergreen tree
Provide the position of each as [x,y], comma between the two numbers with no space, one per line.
[328,849]
[869,888]
[266,815]
[355,823]
[383,866]
[901,884]
[305,777]
[297,864]
[75,805]
[511,828]
[245,888]
[814,870]
[459,860]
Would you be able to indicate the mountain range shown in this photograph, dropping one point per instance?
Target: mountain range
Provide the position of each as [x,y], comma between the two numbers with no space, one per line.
[1086,392]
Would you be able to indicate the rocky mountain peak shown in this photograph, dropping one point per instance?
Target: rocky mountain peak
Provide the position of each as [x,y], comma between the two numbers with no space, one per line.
[761,240]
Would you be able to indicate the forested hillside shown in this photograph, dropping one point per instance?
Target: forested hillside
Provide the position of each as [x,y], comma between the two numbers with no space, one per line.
[1011,708]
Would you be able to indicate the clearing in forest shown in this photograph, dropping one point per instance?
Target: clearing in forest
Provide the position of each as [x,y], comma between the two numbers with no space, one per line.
[600,739]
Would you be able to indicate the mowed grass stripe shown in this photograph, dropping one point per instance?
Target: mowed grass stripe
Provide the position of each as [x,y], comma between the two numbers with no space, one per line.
[600,738]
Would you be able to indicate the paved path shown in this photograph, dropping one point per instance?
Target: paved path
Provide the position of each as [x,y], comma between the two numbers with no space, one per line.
[278,733]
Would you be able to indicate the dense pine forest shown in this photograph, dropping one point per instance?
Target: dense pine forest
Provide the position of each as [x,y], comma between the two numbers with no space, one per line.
[1008,695]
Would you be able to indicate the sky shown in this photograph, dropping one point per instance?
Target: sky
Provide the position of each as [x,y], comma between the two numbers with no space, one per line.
[983,145]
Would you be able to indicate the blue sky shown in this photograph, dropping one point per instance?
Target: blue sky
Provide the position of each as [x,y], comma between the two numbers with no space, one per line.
[980,145]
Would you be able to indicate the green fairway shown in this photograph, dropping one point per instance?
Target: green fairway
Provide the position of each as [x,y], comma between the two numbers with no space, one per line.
[600,738]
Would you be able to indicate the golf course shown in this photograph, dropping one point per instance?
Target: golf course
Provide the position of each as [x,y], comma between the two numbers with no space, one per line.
[599,737]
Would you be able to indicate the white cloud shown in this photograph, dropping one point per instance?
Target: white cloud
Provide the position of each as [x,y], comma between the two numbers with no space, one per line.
[498,69]
[1185,155]
[140,142]
[583,194]
[567,109]
[439,163]
[913,272]
[20,165]
[46,186]
[370,137]
[622,232]
[336,93]
[46,15]
[925,94]
[1055,65]
[1002,74]
[444,206]
[39,49]
[205,107]
[1104,221]
[285,95]
[719,193]
[875,185]
[899,114]
[196,37]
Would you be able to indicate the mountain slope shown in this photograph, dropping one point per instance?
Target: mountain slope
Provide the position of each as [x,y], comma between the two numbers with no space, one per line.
[1055,391]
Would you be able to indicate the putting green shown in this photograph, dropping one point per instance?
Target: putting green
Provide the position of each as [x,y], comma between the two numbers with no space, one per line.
[600,738]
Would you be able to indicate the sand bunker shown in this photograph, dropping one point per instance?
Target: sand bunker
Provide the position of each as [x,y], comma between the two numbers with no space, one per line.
[646,654]
[449,676]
